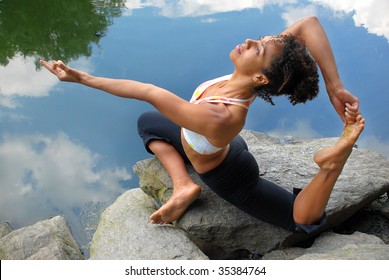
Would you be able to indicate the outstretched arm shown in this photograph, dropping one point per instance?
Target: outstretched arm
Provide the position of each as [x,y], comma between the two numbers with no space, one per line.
[310,31]
[213,120]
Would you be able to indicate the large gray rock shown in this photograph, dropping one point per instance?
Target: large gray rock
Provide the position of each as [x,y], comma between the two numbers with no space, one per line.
[45,240]
[357,246]
[222,231]
[333,246]
[125,233]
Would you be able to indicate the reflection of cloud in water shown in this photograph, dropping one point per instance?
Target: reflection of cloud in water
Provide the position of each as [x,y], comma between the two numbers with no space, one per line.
[371,14]
[299,128]
[190,8]
[303,129]
[36,83]
[293,14]
[371,142]
[12,117]
[43,176]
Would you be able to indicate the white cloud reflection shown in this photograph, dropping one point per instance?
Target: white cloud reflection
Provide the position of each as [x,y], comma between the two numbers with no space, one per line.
[299,128]
[372,142]
[302,129]
[20,78]
[294,13]
[43,176]
[370,14]
[190,8]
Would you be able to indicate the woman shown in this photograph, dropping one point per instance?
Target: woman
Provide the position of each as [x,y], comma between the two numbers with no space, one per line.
[205,130]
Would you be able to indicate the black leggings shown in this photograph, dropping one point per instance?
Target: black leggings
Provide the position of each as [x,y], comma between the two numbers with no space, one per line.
[236,179]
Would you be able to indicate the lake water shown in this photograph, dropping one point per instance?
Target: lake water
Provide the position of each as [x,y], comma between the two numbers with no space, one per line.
[69,150]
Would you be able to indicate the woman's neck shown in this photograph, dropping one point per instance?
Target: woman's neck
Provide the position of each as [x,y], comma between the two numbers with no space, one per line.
[237,87]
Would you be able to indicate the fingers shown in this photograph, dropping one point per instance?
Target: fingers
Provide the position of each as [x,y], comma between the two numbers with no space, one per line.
[354,106]
[59,64]
[351,116]
[57,67]
[47,65]
[56,64]
[346,105]
[350,119]
[351,112]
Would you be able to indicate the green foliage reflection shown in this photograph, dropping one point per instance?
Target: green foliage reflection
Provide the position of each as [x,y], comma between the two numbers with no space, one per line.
[62,29]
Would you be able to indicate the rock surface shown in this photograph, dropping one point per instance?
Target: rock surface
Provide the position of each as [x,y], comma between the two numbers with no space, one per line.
[5,228]
[124,232]
[45,240]
[222,231]
[333,246]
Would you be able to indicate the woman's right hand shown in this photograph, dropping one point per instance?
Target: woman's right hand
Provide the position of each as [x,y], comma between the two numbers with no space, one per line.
[345,104]
[62,71]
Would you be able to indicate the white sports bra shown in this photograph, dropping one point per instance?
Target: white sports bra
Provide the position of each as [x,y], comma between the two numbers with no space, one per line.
[199,142]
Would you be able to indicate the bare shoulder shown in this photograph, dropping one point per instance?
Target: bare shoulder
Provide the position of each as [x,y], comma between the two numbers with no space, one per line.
[231,120]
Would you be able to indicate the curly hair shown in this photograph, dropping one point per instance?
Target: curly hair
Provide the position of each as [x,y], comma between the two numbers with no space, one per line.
[292,73]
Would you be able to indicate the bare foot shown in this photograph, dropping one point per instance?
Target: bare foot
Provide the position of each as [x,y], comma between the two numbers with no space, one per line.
[174,208]
[335,157]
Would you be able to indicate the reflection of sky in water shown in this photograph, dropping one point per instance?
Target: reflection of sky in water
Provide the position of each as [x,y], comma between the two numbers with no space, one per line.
[63,146]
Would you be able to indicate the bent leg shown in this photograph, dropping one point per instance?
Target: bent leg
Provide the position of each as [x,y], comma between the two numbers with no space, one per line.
[185,191]
[162,138]
[311,202]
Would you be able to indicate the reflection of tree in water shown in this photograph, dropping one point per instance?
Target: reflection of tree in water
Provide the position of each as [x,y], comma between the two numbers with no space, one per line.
[64,29]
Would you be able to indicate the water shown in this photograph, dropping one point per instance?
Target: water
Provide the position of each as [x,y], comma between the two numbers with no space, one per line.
[69,150]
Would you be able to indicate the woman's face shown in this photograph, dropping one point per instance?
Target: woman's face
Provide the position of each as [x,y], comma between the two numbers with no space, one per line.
[253,56]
